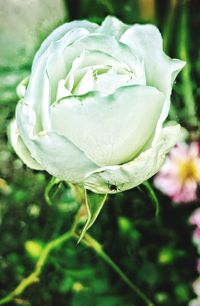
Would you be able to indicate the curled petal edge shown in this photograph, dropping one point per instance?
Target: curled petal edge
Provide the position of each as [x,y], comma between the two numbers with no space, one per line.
[20,148]
[21,87]
[57,155]
[114,179]
[59,32]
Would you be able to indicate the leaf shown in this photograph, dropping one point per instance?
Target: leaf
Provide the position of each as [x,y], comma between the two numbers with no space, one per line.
[153,197]
[94,204]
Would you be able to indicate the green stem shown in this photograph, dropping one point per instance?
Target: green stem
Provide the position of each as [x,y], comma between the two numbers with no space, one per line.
[87,241]
[95,245]
[187,88]
[34,276]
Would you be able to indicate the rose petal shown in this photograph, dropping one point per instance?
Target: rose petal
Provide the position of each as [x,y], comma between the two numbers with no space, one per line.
[21,149]
[21,88]
[57,66]
[119,178]
[88,60]
[161,71]
[59,32]
[55,153]
[113,26]
[105,44]
[38,94]
[146,42]
[80,79]
[47,71]
[86,84]
[94,123]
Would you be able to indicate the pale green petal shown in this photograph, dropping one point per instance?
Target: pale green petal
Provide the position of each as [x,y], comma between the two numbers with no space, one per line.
[97,70]
[109,129]
[21,88]
[20,147]
[86,84]
[161,71]
[146,43]
[113,26]
[57,65]
[107,83]
[115,179]
[38,93]
[59,32]
[87,60]
[106,44]
[48,70]
[55,153]
[62,91]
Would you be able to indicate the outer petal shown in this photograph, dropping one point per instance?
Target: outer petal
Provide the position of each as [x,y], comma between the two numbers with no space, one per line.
[21,149]
[119,178]
[21,88]
[146,43]
[47,71]
[38,94]
[161,71]
[113,26]
[110,129]
[59,32]
[55,153]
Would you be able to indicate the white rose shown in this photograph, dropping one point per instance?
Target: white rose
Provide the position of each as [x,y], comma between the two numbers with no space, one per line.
[93,110]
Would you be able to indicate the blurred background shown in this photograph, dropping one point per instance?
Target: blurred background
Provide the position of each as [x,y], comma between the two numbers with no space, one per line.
[156,253]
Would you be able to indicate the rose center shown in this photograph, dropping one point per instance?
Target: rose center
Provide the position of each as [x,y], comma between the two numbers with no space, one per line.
[86,76]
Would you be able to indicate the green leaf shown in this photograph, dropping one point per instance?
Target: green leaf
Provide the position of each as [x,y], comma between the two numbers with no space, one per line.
[94,204]
[153,197]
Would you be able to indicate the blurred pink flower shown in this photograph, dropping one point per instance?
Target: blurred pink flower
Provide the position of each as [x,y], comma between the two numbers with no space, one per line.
[195,217]
[195,302]
[196,236]
[196,286]
[180,175]
[198,265]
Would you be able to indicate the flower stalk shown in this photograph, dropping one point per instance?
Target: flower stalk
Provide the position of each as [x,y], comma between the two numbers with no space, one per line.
[90,242]
[87,241]
[34,276]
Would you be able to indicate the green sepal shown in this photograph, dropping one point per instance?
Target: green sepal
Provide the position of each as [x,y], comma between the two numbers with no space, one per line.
[94,204]
[54,181]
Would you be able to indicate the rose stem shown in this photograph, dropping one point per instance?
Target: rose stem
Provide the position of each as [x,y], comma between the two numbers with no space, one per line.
[95,246]
[34,276]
